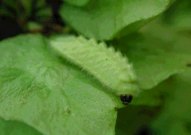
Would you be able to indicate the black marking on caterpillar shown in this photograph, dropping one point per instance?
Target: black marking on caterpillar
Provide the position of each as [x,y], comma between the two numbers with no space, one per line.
[126,99]
[105,64]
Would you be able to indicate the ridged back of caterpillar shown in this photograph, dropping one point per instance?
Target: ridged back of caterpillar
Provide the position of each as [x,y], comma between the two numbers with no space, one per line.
[105,64]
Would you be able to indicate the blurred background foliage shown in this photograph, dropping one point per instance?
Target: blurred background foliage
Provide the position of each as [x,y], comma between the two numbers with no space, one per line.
[162,109]
[34,16]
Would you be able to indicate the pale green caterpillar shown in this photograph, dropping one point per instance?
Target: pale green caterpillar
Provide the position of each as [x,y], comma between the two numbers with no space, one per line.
[105,64]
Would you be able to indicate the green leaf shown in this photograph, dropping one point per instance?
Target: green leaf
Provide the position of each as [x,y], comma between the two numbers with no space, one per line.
[156,53]
[78,2]
[47,93]
[104,19]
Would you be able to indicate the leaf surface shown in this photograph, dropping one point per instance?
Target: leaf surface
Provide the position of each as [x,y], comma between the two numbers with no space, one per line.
[175,117]
[178,16]
[156,53]
[105,19]
[43,91]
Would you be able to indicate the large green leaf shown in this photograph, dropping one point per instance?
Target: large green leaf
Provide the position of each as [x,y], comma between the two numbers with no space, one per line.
[104,19]
[47,93]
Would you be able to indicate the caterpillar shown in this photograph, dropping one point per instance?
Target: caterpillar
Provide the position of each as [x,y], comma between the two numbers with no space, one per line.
[104,63]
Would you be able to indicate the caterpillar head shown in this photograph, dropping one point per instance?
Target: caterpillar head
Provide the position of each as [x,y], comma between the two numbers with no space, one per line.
[126,99]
